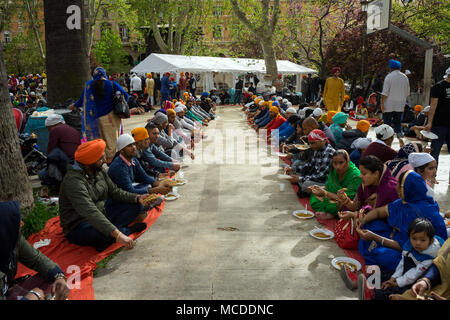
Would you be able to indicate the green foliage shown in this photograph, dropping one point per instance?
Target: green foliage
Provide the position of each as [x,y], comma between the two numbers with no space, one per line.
[36,219]
[110,54]
[429,19]
[22,55]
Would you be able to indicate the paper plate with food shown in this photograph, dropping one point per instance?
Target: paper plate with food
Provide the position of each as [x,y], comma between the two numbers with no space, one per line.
[302,146]
[180,181]
[339,262]
[171,196]
[303,214]
[321,234]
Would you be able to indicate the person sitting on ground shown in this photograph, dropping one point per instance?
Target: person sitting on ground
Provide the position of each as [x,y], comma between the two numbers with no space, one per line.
[63,140]
[185,135]
[348,136]
[424,164]
[348,104]
[381,147]
[204,116]
[330,115]
[343,174]
[315,171]
[152,155]
[339,123]
[361,112]
[133,103]
[401,163]
[317,114]
[263,108]
[86,220]
[384,231]
[295,138]
[417,256]
[420,120]
[310,124]
[143,142]
[14,249]
[265,119]
[224,97]
[358,146]
[435,283]
[127,173]
[277,120]
[288,127]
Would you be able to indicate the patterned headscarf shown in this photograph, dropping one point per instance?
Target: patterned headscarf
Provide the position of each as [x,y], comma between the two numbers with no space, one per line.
[99,74]
[401,160]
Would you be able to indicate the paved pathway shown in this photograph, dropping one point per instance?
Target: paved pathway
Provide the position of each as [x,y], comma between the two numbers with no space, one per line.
[231,235]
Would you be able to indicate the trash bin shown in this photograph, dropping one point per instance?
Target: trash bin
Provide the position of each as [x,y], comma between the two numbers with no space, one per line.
[37,125]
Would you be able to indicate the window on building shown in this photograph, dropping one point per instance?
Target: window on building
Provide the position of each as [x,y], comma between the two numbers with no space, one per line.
[105,13]
[6,37]
[217,11]
[124,33]
[218,33]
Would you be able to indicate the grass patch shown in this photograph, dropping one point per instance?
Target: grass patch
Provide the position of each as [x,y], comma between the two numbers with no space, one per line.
[102,264]
[36,219]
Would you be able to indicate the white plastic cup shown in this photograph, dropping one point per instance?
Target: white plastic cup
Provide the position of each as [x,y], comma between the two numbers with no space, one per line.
[282,187]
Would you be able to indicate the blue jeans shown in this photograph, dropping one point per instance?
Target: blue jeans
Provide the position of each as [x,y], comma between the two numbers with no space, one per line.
[119,214]
[443,134]
[393,119]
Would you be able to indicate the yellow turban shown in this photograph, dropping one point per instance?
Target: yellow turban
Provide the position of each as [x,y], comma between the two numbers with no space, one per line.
[330,116]
[257,101]
[418,108]
[90,152]
[363,125]
[171,112]
[274,109]
[140,134]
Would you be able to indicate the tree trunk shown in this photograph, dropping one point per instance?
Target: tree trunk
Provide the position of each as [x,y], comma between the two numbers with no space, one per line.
[269,57]
[35,28]
[14,182]
[67,59]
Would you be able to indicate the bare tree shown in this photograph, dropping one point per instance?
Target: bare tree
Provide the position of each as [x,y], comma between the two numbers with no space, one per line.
[263,30]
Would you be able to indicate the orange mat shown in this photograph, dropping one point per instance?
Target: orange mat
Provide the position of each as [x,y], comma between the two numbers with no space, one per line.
[71,257]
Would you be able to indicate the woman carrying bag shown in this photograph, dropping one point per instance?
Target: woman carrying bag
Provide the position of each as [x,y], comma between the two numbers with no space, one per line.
[98,117]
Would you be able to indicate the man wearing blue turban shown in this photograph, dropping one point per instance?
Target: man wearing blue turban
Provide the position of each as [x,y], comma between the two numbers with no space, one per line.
[393,98]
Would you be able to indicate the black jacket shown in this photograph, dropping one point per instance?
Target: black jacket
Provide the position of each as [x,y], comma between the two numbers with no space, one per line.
[348,136]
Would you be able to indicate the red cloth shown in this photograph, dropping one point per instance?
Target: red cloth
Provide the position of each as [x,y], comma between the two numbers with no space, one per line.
[275,124]
[66,254]
[20,120]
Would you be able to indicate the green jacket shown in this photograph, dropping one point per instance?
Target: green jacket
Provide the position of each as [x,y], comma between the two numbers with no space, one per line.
[32,258]
[82,198]
[351,181]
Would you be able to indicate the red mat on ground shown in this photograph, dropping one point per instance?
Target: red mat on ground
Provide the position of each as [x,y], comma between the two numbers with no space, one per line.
[351,115]
[67,255]
[329,224]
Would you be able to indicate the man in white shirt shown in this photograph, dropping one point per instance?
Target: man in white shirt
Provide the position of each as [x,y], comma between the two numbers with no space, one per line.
[136,84]
[393,98]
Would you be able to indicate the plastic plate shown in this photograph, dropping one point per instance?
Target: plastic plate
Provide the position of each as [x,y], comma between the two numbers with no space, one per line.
[325,231]
[352,263]
[309,213]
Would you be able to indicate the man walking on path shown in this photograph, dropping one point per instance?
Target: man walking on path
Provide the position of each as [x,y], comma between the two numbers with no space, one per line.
[439,114]
[334,91]
[393,98]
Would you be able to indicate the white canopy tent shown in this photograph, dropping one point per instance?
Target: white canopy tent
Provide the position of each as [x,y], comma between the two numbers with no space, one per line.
[215,68]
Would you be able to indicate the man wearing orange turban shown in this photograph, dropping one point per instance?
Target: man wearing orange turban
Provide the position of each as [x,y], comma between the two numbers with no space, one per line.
[349,136]
[87,215]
